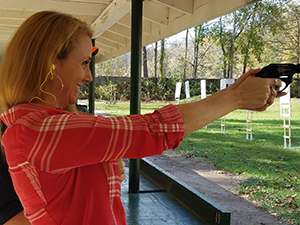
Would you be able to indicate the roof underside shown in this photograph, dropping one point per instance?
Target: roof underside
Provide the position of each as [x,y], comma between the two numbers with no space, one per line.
[111,19]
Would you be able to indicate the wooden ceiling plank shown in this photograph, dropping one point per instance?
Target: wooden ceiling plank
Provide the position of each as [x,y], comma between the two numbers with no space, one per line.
[38,5]
[114,38]
[107,43]
[104,48]
[5,22]
[121,30]
[185,6]
[108,17]
[156,13]
[89,1]
[126,22]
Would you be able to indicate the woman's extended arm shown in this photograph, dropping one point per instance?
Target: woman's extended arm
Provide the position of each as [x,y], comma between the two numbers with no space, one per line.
[248,92]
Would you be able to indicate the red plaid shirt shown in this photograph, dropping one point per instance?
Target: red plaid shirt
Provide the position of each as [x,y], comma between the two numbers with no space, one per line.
[63,165]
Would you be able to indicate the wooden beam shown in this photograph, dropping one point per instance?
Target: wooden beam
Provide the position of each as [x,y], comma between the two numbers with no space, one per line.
[114,38]
[6,33]
[6,22]
[104,48]
[126,21]
[107,43]
[121,30]
[76,8]
[91,1]
[185,6]
[156,13]
[108,17]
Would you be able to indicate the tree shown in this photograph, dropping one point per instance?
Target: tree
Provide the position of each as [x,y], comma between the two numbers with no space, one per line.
[201,32]
[155,60]
[185,54]
[161,59]
[242,32]
[119,66]
[145,62]
[222,36]
[291,31]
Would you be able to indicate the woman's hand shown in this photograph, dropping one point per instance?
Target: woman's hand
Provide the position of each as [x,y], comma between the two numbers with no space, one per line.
[122,169]
[256,93]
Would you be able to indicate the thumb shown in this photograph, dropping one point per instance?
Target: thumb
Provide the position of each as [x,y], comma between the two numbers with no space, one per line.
[242,78]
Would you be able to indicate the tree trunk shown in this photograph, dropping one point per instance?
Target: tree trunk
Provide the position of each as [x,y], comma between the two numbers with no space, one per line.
[231,60]
[185,53]
[145,64]
[155,60]
[195,68]
[162,57]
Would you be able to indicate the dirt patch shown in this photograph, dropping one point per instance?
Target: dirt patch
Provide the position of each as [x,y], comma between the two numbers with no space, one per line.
[218,185]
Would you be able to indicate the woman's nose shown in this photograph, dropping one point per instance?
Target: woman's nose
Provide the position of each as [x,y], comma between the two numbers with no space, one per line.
[88,76]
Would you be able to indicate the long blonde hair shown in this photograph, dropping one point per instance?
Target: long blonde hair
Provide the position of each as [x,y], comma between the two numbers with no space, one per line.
[41,39]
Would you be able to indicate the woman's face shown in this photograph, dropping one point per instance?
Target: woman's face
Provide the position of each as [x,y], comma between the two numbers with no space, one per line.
[73,71]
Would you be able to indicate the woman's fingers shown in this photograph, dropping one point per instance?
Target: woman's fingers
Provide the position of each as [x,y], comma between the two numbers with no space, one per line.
[258,93]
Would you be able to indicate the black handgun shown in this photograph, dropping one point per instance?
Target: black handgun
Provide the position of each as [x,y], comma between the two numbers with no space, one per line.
[284,72]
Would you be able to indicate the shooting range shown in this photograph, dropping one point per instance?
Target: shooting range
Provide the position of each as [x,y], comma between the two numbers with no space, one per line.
[123,26]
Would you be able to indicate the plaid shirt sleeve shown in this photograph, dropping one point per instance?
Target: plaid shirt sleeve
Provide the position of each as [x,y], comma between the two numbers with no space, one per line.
[56,141]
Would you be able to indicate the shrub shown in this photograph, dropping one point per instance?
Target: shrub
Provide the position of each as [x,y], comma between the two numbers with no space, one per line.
[152,89]
[295,88]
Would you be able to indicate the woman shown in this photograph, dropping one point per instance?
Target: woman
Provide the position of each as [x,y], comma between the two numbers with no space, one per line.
[63,165]
[11,210]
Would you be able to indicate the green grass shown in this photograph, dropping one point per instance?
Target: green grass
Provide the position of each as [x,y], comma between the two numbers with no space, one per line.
[272,171]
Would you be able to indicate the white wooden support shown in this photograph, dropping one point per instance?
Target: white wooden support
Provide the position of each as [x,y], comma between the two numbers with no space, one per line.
[223,84]
[187,90]
[286,115]
[249,133]
[223,125]
[285,100]
[203,91]
[203,88]
[178,91]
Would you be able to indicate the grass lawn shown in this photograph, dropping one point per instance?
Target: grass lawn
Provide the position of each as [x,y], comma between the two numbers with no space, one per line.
[272,171]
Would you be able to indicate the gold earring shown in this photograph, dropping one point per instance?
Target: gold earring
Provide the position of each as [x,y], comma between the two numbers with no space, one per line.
[62,85]
[50,75]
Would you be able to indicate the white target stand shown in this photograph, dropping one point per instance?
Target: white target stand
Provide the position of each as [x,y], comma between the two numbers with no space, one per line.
[178,91]
[203,91]
[286,116]
[285,113]
[187,90]
[223,84]
[223,125]
[249,130]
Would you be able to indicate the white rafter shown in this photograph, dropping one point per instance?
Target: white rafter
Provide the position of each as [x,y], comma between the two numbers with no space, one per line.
[108,17]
